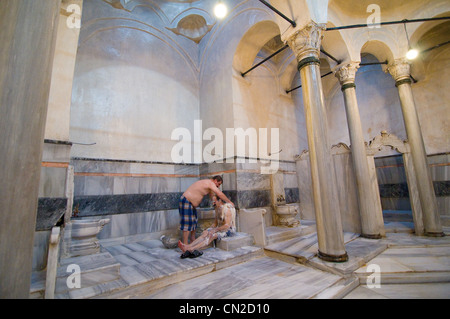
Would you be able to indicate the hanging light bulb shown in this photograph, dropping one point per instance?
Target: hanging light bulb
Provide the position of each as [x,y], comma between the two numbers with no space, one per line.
[412,54]
[220,10]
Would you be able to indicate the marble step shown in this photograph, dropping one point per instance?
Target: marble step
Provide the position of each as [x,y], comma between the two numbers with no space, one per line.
[237,241]
[339,289]
[148,265]
[408,265]
[275,234]
[259,278]
[304,249]
[94,269]
[397,216]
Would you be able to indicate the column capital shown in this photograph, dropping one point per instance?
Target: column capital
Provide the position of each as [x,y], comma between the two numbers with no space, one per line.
[306,43]
[400,70]
[346,73]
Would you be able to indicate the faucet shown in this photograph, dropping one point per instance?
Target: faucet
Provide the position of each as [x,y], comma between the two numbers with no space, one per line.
[280,199]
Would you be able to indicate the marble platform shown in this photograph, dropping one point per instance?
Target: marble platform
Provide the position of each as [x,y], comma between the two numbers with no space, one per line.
[148,265]
[261,278]
[413,267]
[274,278]
[148,270]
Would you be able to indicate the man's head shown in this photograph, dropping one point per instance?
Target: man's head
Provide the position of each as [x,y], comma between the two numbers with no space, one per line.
[217,180]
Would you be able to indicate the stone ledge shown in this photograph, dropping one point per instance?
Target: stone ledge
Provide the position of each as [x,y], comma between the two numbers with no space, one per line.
[237,241]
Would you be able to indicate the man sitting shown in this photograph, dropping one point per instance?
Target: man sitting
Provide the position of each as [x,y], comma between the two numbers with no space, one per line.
[224,226]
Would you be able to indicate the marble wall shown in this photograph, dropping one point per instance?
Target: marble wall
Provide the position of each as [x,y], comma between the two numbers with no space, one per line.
[136,79]
[392,183]
[55,196]
[138,197]
[346,187]
[394,188]
[135,82]
[141,198]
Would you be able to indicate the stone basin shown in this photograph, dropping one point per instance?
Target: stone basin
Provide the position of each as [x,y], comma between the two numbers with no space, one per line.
[286,215]
[80,236]
[83,228]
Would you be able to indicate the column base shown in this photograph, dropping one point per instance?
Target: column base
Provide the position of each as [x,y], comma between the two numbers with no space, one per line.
[333,258]
[371,236]
[434,234]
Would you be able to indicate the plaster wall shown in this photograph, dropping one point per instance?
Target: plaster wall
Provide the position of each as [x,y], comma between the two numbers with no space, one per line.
[132,87]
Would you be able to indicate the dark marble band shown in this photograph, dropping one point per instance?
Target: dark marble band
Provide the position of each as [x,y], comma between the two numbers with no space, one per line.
[136,203]
[348,86]
[49,213]
[434,234]
[307,61]
[404,81]
[400,190]
[371,236]
[333,258]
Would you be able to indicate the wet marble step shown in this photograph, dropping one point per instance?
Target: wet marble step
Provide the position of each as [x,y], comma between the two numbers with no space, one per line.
[146,266]
[260,278]
[237,241]
[93,270]
[408,265]
[275,234]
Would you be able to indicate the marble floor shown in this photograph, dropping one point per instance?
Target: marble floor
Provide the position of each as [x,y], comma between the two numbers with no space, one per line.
[402,291]
[261,278]
[410,267]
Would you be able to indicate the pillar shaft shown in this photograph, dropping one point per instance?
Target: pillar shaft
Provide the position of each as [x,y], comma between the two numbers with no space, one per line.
[400,70]
[306,44]
[371,217]
[27,37]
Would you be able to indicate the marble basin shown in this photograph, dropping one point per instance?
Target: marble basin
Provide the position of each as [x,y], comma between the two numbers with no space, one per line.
[84,228]
[80,236]
[286,215]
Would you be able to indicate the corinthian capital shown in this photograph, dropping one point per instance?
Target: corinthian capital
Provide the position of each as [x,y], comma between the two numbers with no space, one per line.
[346,72]
[400,70]
[306,42]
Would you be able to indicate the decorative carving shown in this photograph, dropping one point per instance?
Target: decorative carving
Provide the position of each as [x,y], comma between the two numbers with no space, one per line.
[304,154]
[340,148]
[400,69]
[378,142]
[306,42]
[193,27]
[346,72]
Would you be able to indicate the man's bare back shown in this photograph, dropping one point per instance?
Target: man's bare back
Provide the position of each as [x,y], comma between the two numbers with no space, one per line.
[199,189]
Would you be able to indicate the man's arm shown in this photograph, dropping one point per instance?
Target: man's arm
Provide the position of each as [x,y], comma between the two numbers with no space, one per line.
[219,194]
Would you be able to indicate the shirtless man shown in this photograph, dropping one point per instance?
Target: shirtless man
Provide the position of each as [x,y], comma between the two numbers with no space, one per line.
[191,198]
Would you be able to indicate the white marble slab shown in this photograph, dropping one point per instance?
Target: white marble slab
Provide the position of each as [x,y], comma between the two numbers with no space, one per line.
[260,278]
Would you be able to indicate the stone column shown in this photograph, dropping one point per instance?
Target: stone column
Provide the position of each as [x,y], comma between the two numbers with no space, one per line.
[371,216]
[400,70]
[27,37]
[305,44]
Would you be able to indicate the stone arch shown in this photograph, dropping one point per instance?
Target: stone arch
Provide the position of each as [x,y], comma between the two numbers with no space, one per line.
[252,42]
[385,140]
[337,43]
[427,36]
[417,30]
[378,49]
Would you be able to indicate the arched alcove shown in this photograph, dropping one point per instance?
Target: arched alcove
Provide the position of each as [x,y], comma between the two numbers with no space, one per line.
[252,42]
